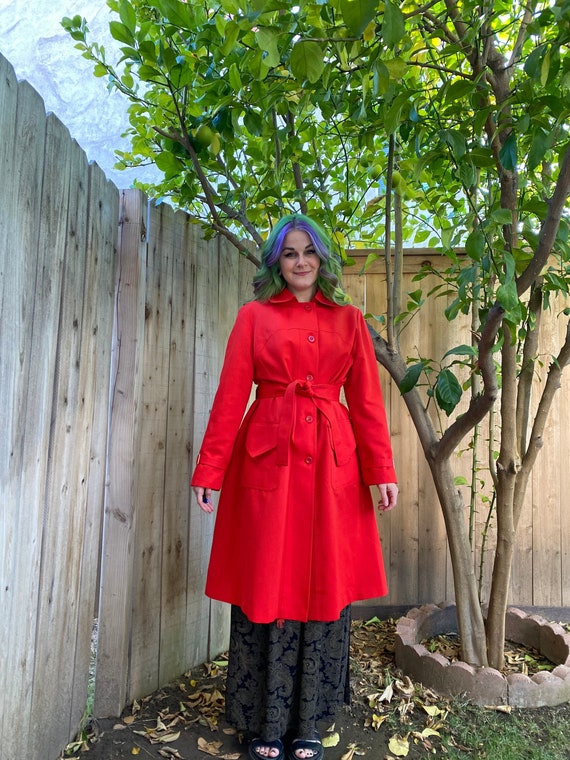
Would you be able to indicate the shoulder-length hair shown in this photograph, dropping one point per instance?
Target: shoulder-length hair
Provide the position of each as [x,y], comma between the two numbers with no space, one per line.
[267,282]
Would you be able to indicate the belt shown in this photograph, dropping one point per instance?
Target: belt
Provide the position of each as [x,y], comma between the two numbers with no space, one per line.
[318,392]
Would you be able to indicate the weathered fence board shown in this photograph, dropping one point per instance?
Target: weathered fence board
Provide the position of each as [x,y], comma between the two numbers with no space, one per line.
[149,466]
[115,603]
[48,407]
[29,405]
[173,631]
[206,372]
[59,579]
[96,341]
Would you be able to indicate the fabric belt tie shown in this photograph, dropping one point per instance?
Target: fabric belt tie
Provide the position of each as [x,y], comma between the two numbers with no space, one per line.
[318,392]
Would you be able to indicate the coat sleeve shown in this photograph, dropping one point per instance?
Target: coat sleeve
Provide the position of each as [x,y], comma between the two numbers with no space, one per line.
[229,405]
[364,399]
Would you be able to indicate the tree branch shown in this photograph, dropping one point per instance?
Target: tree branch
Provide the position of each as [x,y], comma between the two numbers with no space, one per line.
[479,405]
[396,367]
[549,229]
[296,168]
[553,382]
[526,375]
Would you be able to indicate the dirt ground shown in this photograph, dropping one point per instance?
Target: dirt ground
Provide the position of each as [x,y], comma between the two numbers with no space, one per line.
[389,716]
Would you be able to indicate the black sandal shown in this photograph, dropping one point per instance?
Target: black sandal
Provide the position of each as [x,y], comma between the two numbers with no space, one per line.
[315,745]
[256,744]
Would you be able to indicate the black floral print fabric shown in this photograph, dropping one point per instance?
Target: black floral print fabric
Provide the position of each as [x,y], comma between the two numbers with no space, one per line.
[286,679]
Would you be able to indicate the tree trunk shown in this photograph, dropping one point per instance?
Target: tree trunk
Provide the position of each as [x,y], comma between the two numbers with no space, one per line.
[469,614]
[506,532]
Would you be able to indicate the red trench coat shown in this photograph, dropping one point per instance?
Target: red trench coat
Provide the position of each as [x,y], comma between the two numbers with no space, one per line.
[295,534]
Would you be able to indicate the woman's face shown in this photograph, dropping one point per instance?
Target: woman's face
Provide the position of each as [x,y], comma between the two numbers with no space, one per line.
[299,265]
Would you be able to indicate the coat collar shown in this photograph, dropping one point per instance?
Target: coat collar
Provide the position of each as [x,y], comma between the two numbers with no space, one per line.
[285,296]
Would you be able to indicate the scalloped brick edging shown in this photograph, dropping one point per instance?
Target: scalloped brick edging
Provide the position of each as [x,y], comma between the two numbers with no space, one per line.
[485,686]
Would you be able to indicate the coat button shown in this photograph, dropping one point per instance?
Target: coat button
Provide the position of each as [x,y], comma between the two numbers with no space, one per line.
[310,378]
[308,418]
[308,307]
[308,460]
[311,338]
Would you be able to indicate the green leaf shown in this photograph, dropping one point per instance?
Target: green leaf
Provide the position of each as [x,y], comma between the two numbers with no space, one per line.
[231,37]
[475,245]
[176,12]
[502,216]
[462,350]
[507,296]
[128,15]
[267,41]
[456,142]
[458,90]
[508,153]
[393,28]
[447,391]
[168,163]
[121,33]
[541,142]
[150,74]
[411,377]
[234,78]
[307,61]
[397,67]
[357,14]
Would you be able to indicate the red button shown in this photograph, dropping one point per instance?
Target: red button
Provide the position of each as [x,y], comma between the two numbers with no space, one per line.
[311,338]
[308,460]
[310,378]
[308,307]
[308,418]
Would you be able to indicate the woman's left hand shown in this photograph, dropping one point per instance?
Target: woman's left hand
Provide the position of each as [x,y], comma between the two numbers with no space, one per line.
[388,496]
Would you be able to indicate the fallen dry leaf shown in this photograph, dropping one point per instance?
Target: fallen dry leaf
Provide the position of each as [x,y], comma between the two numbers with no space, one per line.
[405,686]
[331,739]
[170,752]
[399,745]
[210,748]
[377,721]
[431,710]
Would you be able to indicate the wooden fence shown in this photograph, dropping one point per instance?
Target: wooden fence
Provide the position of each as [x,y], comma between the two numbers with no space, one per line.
[113,326]
[58,221]
[413,536]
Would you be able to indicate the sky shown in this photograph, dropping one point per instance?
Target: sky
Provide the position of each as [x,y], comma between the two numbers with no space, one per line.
[41,52]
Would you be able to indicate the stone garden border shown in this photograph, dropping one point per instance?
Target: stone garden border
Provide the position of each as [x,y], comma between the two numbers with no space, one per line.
[481,685]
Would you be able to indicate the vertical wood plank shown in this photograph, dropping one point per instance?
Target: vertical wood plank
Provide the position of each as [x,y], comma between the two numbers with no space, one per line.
[205,383]
[102,225]
[564,484]
[228,303]
[177,501]
[120,516]
[12,338]
[545,493]
[26,412]
[64,186]
[150,456]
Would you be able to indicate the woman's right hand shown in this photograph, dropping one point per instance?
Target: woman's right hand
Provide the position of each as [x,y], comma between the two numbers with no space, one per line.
[204,498]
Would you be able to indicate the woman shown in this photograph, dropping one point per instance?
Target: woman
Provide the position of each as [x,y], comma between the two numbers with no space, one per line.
[295,540]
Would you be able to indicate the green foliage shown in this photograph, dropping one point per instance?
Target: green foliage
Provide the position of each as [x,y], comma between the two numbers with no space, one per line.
[253,108]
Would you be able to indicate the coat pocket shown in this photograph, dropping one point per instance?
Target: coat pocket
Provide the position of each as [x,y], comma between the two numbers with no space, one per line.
[260,469]
[345,470]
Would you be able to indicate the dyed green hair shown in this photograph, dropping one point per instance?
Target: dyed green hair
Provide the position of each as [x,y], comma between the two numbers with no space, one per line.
[268,282]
